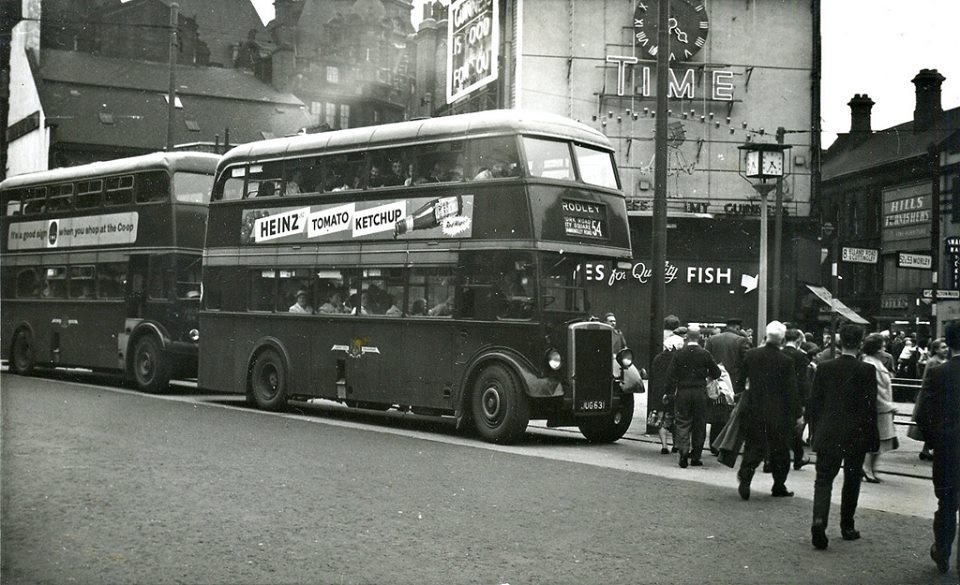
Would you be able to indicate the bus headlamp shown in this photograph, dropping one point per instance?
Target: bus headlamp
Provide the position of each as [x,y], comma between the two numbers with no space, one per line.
[625,358]
[194,335]
[553,360]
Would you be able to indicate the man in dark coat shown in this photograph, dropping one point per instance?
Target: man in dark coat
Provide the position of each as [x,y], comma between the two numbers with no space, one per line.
[687,378]
[727,348]
[938,416]
[771,412]
[843,413]
[801,365]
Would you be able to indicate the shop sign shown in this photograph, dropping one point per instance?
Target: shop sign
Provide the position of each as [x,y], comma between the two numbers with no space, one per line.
[473,39]
[907,213]
[692,274]
[927,293]
[692,82]
[860,255]
[895,302]
[915,261]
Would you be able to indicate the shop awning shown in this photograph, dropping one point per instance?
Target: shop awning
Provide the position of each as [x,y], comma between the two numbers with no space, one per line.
[837,305]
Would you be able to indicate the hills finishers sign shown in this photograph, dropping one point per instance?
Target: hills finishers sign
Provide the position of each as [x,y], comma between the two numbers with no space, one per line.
[473,40]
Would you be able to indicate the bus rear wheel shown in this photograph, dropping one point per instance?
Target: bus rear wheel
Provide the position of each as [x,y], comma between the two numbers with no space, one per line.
[268,381]
[151,367]
[21,353]
[499,405]
[612,427]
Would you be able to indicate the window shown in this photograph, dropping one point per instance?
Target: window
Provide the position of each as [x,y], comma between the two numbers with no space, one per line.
[188,277]
[292,281]
[562,285]
[265,180]
[493,158]
[344,171]
[89,194]
[119,190]
[549,159]
[431,292]
[261,290]
[28,283]
[344,116]
[497,285]
[192,125]
[61,197]
[111,279]
[83,283]
[192,187]
[333,75]
[439,163]
[35,201]
[55,282]
[596,166]
[330,115]
[230,187]
[388,168]
[13,199]
[157,279]
[153,187]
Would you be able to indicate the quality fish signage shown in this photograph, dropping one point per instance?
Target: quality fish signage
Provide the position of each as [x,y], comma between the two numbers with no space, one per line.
[422,217]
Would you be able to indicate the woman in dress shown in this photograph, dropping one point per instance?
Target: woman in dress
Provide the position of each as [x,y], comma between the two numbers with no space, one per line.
[872,348]
[660,407]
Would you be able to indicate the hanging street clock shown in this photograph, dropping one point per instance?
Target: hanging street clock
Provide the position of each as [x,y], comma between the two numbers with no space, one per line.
[688,28]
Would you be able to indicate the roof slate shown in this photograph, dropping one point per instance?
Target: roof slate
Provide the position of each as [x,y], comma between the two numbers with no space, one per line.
[77,88]
[851,154]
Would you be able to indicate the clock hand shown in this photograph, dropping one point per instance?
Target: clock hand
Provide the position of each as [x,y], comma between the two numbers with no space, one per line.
[681,36]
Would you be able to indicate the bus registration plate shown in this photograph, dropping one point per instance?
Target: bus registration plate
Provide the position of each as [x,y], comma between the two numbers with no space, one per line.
[592,405]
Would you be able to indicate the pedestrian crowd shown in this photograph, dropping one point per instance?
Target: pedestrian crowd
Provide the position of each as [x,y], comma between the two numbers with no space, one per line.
[758,401]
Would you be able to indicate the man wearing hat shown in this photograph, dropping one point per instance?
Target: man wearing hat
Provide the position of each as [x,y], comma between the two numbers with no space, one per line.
[301,305]
[728,348]
[687,377]
[619,341]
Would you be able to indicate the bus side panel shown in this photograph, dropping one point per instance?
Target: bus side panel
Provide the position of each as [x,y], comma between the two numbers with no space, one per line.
[222,356]
[191,224]
[88,333]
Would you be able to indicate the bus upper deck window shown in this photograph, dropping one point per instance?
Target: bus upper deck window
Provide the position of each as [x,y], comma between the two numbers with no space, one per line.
[89,194]
[13,200]
[119,190]
[35,201]
[192,187]
[549,159]
[61,197]
[153,187]
[596,166]
[493,158]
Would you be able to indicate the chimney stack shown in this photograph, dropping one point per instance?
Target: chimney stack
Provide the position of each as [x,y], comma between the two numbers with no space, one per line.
[929,110]
[860,107]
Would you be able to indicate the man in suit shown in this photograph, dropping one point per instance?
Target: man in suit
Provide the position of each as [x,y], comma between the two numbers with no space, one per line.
[843,414]
[938,416]
[727,348]
[687,379]
[771,412]
[801,365]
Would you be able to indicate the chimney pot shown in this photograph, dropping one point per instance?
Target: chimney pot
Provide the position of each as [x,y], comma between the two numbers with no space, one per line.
[860,107]
[929,110]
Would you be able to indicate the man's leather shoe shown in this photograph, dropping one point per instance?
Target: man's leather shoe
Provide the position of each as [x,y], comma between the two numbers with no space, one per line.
[744,489]
[943,564]
[683,461]
[782,493]
[798,464]
[850,533]
[819,537]
[696,463]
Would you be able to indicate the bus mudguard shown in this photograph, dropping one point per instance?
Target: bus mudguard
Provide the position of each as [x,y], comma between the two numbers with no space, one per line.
[264,343]
[534,385]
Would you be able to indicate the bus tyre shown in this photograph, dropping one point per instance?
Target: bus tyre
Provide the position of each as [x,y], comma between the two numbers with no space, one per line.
[609,428]
[151,367]
[21,353]
[268,381]
[499,405]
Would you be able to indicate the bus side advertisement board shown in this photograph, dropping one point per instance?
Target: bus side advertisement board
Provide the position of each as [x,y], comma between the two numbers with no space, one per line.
[69,232]
[421,217]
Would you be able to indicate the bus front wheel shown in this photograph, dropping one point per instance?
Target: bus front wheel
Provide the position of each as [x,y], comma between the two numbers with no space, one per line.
[500,407]
[21,354]
[151,367]
[268,381]
[610,428]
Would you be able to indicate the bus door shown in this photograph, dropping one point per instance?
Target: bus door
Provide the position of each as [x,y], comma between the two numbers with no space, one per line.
[150,284]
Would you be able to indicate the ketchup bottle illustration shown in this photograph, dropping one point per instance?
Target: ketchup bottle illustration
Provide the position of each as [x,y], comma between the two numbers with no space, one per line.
[430,215]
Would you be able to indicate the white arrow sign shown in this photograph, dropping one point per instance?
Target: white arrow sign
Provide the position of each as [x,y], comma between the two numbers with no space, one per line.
[748,283]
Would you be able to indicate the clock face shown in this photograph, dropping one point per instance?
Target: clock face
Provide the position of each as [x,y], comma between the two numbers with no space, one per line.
[773,164]
[753,163]
[688,28]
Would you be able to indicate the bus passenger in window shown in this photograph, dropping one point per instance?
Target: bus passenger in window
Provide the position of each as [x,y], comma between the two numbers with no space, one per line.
[444,309]
[333,304]
[358,304]
[484,174]
[393,310]
[292,186]
[396,175]
[301,305]
[434,176]
[266,189]
[418,307]
[376,178]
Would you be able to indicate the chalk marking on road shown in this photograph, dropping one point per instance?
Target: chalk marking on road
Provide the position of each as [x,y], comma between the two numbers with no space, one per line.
[900,495]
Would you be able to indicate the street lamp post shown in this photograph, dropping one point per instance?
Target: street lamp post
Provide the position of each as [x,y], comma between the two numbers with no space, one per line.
[762,161]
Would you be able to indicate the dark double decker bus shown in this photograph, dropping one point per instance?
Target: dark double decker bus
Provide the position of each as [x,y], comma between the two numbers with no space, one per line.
[429,265]
[101,266]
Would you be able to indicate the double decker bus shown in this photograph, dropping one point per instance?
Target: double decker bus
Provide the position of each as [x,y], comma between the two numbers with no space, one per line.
[430,265]
[101,266]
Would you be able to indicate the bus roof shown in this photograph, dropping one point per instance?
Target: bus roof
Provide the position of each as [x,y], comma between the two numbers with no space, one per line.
[177,161]
[422,130]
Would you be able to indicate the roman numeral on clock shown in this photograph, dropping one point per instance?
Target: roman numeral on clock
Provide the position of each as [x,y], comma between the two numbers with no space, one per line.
[700,41]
